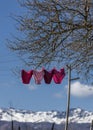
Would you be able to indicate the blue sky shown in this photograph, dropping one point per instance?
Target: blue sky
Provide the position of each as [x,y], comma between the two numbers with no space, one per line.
[33,97]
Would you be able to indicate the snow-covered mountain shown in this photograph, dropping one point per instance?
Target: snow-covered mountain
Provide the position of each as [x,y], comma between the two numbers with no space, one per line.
[43,120]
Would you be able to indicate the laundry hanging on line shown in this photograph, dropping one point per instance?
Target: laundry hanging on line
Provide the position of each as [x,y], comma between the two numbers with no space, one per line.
[38,76]
[56,75]
[26,76]
[48,76]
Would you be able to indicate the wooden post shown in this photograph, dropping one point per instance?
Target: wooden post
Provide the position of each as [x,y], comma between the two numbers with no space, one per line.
[68,97]
[91,126]
[12,125]
[53,126]
[19,128]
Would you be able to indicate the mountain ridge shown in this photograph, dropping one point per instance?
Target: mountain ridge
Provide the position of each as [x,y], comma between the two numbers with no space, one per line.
[76,115]
[79,119]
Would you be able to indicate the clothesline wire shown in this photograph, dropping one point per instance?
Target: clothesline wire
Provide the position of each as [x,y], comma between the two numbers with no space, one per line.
[10,60]
[54,74]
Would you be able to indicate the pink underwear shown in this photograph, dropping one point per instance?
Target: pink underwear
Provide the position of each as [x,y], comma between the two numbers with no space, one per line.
[38,76]
[58,75]
[26,76]
[48,76]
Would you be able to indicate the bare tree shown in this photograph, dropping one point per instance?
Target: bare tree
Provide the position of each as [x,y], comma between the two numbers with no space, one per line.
[56,31]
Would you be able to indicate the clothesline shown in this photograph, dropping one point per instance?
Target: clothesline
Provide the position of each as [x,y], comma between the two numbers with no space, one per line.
[56,75]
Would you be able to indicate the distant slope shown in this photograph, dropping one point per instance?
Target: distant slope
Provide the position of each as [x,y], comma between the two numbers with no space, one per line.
[42,120]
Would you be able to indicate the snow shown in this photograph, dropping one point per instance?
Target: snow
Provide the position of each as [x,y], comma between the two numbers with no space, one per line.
[76,115]
[79,119]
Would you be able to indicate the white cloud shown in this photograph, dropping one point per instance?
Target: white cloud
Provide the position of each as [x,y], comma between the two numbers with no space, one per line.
[58,95]
[32,87]
[81,90]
